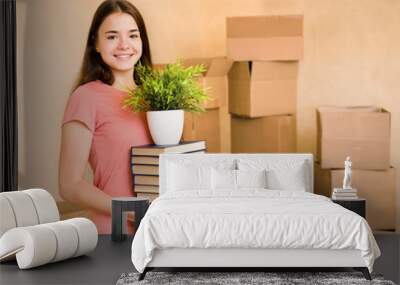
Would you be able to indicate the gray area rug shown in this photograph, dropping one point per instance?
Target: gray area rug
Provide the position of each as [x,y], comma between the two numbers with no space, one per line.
[231,278]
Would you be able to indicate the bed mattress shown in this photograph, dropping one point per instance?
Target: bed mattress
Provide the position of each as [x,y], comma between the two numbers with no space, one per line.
[251,219]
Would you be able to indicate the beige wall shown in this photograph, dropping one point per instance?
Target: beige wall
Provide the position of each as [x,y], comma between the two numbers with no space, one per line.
[351,58]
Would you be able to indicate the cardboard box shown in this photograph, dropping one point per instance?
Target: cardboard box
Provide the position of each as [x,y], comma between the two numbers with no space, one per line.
[265,37]
[378,187]
[363,133]
[214,79]
[258,89]
[204,126]
[268,134]
[225,129]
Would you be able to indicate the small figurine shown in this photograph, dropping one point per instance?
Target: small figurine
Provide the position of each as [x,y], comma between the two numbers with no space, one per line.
[347,174]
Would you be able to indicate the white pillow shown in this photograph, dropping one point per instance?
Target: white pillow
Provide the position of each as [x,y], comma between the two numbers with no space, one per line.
[290,178]
[183,177]
[251,178]
[282,174]
[223,179]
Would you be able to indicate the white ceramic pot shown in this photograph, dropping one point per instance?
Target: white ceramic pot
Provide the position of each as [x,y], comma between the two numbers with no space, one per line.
[165,126]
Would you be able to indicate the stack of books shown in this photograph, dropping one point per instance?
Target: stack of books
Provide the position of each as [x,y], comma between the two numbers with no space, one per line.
[344,194]
[145,161]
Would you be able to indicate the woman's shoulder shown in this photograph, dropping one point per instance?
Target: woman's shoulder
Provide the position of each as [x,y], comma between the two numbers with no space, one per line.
[89,89]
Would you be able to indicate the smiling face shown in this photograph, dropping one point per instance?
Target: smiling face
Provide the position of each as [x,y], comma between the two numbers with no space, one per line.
[119,43]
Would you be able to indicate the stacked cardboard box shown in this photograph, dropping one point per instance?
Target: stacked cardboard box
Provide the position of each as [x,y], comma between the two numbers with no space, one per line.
[267,134]
[204,126]
[263,88]
[145,165]
[263,81]
[264,38]
[212,125]
[363,133]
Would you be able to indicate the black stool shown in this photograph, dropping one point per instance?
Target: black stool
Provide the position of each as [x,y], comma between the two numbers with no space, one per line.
[120,205]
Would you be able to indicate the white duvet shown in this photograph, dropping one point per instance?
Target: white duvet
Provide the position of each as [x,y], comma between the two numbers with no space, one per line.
[250,219]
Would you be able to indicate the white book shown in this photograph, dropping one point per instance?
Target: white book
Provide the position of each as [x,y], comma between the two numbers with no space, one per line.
[345,198]
[341,190]
[334,197]
[345,194]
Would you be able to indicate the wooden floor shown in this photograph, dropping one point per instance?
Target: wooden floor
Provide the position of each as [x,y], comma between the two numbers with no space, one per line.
[111,259]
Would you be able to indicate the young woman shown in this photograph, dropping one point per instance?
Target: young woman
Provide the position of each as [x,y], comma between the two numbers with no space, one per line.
[95,128]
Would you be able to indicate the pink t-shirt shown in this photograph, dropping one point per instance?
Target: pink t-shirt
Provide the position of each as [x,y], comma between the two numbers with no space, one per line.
[115,130]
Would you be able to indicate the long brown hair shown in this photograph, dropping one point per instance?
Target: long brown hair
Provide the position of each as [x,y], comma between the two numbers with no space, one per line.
[93,67]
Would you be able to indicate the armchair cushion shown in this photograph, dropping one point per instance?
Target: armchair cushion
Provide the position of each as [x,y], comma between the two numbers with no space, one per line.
[31,232]
[40,244]
[27,208]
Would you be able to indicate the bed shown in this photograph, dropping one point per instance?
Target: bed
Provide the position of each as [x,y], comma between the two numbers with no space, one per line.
[247,210]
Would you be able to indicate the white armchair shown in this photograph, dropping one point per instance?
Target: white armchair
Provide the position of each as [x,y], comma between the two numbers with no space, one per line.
[31,230]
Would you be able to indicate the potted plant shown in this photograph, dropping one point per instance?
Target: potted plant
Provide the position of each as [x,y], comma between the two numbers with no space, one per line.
[164,94]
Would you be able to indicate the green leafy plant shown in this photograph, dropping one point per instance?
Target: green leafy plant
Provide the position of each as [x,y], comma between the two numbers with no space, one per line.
[172,88]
